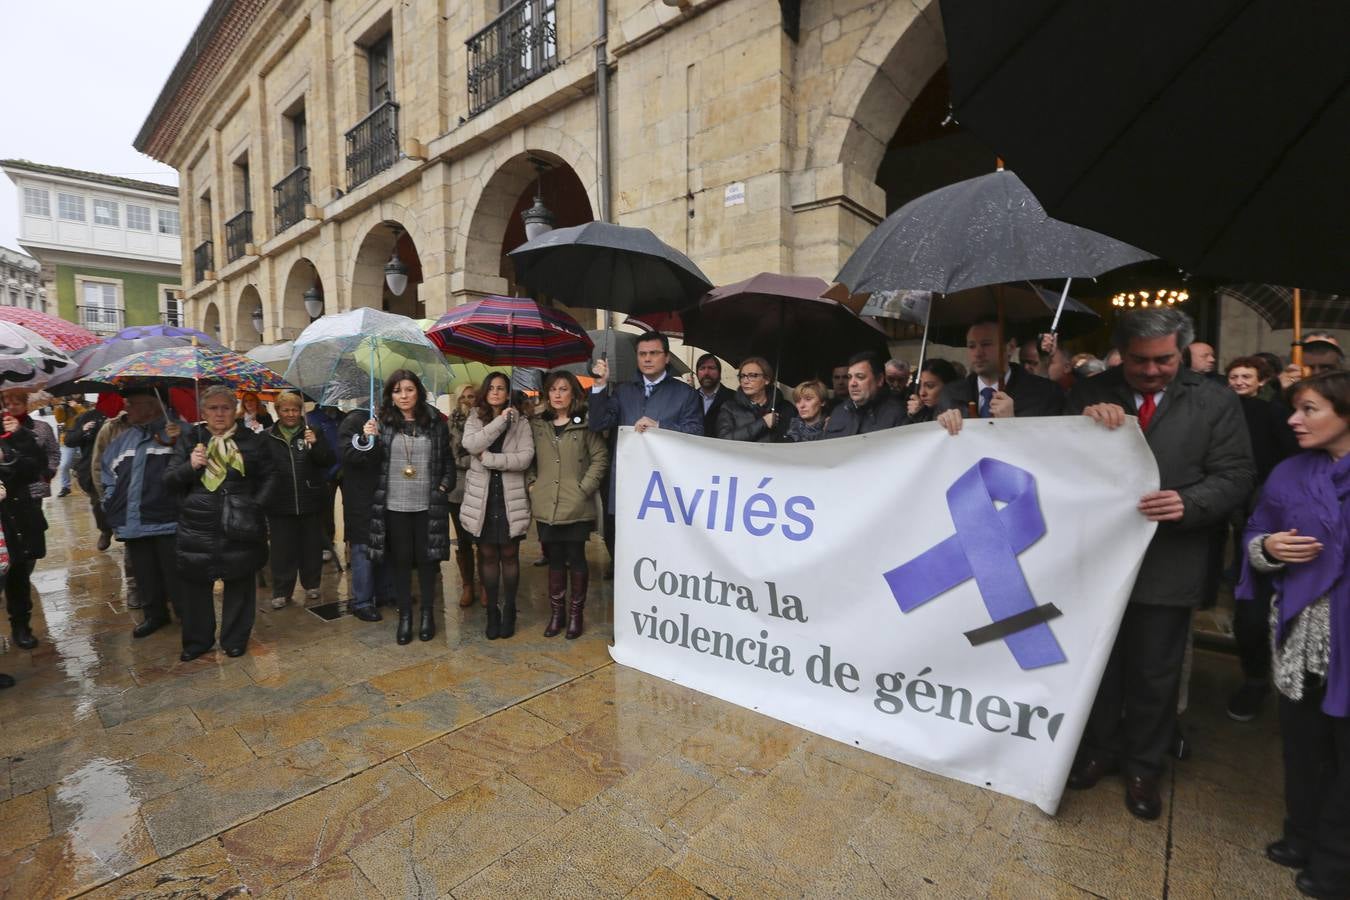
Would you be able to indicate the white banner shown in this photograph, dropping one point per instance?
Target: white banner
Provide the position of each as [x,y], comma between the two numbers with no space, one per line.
[948,602]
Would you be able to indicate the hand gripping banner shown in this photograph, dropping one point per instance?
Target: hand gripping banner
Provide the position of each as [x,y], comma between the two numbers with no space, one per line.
[985,547]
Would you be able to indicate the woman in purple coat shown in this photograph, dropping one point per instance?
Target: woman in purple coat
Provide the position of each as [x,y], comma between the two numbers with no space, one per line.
[1300,533]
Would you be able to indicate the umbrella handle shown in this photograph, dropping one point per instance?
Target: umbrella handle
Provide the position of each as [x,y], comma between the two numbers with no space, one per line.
[1059,310]
[363,442]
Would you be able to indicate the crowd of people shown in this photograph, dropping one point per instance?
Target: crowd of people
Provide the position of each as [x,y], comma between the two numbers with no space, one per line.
[1254,466]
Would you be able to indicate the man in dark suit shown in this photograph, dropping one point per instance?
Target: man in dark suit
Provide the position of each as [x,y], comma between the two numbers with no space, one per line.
[711,391]
[996,394]
[1198,436]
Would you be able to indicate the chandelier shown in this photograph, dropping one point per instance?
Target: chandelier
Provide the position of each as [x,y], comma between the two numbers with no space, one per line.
[1134,299]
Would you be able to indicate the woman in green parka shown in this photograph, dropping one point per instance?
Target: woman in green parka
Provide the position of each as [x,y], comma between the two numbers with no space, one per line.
[570,462]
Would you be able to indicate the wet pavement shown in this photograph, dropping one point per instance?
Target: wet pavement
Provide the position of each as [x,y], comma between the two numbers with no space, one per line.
[331,762]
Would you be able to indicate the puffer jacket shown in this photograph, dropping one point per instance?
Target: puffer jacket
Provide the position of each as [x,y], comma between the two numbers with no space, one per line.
[515,458]
[358,479]
[300,487]
[79,438]
[51,449]
[568,470]
[204,553]
[438,504]
[136,501]
[456,425]
[741,420]
[22,461]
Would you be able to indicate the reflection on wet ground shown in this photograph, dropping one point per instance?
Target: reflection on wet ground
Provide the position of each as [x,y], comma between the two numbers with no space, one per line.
[331,762]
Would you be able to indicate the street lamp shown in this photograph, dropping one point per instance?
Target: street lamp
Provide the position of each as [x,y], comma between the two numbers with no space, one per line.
[257,320]
[395,272]
[313,302]
[538,218]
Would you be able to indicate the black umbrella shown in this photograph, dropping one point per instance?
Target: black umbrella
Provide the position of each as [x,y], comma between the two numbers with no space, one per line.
[1275,304]
[1027,309]
[1213,134]
[603,266]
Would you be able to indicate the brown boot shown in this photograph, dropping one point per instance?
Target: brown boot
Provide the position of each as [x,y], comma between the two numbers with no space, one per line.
[557,595]
[576,603]
[464,556]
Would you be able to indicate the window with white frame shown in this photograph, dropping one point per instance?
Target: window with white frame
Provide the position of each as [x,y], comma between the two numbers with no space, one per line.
[171,307]
[169,222]
[100,305]
[70,207]
[37,202]
[105,213]
[138,217]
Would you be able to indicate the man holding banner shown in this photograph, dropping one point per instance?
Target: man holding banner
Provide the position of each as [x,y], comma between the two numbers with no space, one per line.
[1197,434]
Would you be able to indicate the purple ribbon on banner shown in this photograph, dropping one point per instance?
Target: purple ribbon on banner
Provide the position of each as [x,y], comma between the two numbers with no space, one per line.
[985,547]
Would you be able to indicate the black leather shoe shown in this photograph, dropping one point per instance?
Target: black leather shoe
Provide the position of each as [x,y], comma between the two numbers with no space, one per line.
[1310,886]
[427,629]
[23,637]
[367,614]
[190,655]
[148,627]
[235,652]
[6,681]
[1141,796]
[404,633]
[508,626]
[104,540]
[1090,770]
[1283,854]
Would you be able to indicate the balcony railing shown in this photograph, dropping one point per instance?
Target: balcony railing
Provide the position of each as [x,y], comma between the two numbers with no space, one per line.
[289,196]
[238,234]
[176,319]
[203,260]
[372,145]
[102,319]
[514,49]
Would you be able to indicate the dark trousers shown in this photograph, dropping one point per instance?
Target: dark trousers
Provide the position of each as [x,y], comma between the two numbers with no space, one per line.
[1317,785]
[19,592]
[154,565]
[326,514]
[1251,630]
[199,613]
[564,555]
[296,545]
[1134,716]
[406,540]
[100,520]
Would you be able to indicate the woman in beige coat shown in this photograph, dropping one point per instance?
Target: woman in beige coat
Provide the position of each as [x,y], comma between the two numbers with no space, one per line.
[496,507]
[570,462]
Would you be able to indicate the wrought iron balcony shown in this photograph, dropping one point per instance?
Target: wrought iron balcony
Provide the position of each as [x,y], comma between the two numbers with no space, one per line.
[203,261]
[238,233]
[514,49]
[372,144]
[289,196]
[176,319]
[102,319]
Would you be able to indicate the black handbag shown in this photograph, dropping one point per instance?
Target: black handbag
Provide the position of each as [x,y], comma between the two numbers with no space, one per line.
[241,519]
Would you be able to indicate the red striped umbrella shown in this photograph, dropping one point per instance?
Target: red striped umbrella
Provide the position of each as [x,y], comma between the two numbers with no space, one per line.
[64,335]
[511,331]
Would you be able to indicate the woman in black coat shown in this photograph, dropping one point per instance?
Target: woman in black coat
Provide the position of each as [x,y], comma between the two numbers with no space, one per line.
[22,463]
[410,510]
[368,583]
[295,506]
[223,475]
[756,413]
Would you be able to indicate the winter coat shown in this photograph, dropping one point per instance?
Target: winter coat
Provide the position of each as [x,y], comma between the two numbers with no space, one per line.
[568,470]
[883,411]
[79,439]
[301,473]
[358,479]
[799,432]
[1031,394]
[46,439]
[724,394]
[741,420]
[327,430]
[673,404]
[1199,440]
[442,473]
[456,425]
[512,462]
[136,501]
[21,463]
[204,553]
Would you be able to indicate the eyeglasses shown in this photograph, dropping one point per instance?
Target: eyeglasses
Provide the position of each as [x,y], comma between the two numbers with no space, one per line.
[750,376]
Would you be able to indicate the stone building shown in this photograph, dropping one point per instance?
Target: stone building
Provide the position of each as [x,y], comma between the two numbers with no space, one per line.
[21,281]
[108,246]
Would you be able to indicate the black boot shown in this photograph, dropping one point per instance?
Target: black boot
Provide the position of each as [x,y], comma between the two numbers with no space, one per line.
[23,636]
[494,622]
[404,633]
[557,601]
[576,604]
[508,619]
[6,681]
[428,629]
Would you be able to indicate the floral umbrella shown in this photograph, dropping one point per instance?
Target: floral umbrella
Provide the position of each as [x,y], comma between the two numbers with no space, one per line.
[134,339]
[27,359]
[62,334]
[193,363]
[511,331]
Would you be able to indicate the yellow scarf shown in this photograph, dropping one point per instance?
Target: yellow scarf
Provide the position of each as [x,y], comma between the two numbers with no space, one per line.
[222,454]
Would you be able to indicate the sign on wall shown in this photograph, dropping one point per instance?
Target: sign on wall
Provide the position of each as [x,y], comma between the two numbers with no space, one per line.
[948,602]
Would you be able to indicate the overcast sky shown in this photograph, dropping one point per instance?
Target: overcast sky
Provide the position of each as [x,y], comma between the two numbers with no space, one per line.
[79,78]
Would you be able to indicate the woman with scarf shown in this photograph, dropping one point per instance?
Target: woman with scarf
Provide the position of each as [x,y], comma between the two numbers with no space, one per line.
[22,464]
[295,506]
[18,587]
[1300,535]
[410,514]
[496,508]
[464,552]
[223,476]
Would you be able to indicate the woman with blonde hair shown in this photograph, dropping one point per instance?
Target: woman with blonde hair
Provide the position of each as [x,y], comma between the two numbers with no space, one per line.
[295,507]
[252,412]
[465,395]
[809,425]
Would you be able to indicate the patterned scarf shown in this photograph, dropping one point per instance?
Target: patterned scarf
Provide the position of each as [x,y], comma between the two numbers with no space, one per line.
[222,454]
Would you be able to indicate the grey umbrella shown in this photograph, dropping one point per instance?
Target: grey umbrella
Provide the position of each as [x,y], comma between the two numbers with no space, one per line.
[1027,309]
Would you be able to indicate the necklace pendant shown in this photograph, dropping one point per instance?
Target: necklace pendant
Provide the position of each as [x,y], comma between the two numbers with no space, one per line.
[409,472]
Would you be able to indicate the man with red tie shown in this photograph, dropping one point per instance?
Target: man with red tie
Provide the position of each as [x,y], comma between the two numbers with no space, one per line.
[1198,436]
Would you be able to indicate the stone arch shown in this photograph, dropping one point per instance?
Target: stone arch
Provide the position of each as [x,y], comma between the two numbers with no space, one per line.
[377,220]
[367,282]
[293,317]
[246,336]
[211,322]
[901,53]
